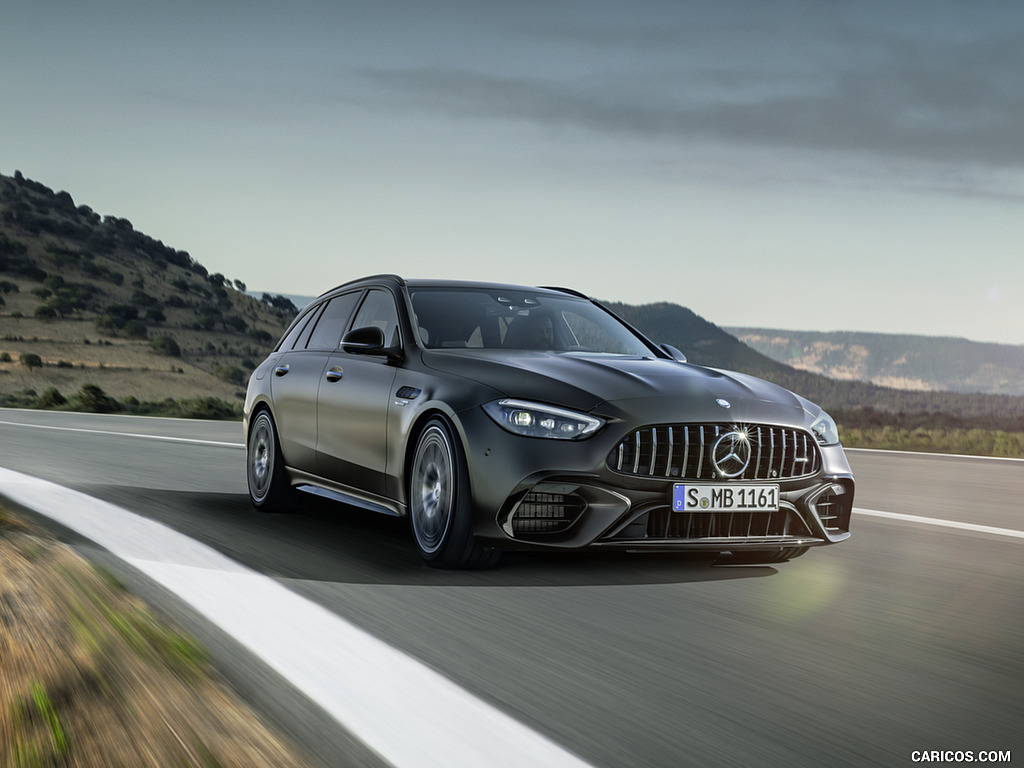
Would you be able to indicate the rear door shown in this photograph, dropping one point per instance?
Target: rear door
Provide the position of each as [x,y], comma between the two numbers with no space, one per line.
[297,375]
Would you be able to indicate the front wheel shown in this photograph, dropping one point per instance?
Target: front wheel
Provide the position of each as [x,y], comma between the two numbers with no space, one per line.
[269,490]
[439,503]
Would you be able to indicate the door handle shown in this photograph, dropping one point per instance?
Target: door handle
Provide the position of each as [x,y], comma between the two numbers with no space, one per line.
[334,374]
[281,370]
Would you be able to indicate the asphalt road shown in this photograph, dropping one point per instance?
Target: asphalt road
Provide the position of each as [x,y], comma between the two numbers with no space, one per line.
[908,637]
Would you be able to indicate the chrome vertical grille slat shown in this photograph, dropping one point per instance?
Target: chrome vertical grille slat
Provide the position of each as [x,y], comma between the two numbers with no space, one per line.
[671,446]
[686,450]
[655,451]
[700,453]
[782,459]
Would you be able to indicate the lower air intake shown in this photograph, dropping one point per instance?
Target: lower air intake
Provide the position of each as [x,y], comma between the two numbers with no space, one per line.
[737,526]
[546,513]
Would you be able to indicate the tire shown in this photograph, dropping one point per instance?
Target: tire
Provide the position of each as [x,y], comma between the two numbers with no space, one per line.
[440,512]
[269,490]
[781,555]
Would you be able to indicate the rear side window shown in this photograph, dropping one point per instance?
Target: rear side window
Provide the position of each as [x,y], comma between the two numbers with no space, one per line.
[332,322]
[303,324]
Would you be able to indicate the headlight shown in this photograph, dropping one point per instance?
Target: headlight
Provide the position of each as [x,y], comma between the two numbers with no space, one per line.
[825,430]
[537,420]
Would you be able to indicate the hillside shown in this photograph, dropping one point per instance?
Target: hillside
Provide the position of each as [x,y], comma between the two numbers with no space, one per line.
[87,299]
[855,403]
[899,361]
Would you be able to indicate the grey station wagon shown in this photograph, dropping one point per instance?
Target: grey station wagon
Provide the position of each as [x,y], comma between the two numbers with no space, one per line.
[503,417]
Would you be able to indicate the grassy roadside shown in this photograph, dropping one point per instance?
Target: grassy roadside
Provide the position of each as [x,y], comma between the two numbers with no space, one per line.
[92,399]
[93,679]
[971,442]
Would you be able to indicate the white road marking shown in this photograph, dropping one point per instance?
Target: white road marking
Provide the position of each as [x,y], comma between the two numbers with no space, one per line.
[409,714]
[927,453]
[942,523]
[108,432]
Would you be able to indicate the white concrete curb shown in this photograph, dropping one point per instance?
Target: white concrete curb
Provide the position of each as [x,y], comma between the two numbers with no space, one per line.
[409,714]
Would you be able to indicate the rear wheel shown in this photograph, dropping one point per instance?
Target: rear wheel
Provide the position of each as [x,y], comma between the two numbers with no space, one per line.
[269,490]
[439,503]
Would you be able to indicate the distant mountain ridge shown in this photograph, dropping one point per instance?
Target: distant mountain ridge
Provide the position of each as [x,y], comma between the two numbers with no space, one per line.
[895,360]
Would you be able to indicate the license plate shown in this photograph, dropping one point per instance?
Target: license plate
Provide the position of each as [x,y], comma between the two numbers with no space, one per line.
[725,498]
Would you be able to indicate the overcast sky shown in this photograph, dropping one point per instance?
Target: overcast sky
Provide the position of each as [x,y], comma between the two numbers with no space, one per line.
[815,164]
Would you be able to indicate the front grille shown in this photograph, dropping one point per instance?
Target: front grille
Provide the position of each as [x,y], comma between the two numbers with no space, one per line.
[684,451]
[546,512]
[663,523]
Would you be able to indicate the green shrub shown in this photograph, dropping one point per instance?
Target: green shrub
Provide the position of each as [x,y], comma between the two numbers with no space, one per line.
[208,408]
[136,329]
[165,345]
[231,374]
[94,400]
[51,398]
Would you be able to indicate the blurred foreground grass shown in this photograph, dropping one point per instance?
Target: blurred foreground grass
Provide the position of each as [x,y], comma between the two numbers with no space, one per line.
[90,677]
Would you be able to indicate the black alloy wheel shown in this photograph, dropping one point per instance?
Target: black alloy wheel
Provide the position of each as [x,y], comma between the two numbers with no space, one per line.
[269,490]
[439,502]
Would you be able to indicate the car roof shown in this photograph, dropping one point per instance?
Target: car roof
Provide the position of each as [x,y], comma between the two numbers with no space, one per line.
[396,280]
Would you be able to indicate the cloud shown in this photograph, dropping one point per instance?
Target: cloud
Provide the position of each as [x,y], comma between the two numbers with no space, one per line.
[943,98]
[960,106]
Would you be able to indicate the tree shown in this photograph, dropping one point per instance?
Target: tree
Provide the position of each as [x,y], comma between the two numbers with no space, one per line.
[31,360]
[280,302]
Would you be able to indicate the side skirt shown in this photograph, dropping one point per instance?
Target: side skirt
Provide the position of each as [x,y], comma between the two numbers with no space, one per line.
[318,486]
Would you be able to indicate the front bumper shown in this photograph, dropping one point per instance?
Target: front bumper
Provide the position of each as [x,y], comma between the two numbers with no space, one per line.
[545,494]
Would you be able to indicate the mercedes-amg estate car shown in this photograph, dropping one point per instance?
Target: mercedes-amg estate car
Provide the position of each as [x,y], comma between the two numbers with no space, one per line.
[499,417]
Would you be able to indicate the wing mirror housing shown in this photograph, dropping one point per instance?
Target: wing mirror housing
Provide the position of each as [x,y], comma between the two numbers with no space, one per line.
[368,340]
[674,353]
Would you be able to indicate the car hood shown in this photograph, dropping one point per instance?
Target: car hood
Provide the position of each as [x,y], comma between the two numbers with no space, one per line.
[646,389]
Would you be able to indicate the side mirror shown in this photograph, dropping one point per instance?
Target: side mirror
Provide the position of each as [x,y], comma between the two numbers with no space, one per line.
[674,353]
[364,341]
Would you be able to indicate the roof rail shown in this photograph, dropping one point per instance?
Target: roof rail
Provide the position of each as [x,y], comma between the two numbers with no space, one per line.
[570,291]
[397,278]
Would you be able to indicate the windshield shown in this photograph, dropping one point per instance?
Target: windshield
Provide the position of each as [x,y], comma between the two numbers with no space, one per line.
[480,318]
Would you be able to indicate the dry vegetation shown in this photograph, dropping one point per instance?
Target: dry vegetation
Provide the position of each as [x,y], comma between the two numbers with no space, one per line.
[90,300]
[75,354]
[92,679]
